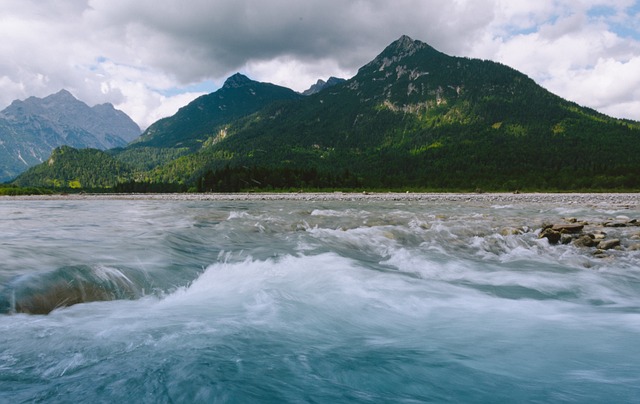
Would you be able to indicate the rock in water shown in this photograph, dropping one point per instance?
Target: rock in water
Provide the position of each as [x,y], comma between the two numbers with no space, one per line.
[552,235]
[568,228]
[609,244]
[585,241]
[41,293]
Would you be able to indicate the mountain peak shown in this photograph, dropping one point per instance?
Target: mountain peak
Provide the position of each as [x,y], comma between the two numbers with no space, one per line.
[398,50]
[321,85]
[405,41]
[405,46]
[237,80]
[62,95]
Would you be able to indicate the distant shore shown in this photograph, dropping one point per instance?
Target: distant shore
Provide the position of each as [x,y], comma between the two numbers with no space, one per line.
[629,200]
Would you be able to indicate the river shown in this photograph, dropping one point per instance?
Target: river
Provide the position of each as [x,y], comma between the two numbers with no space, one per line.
[352,300]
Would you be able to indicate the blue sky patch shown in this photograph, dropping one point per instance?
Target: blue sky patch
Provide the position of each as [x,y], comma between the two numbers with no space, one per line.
[627,28]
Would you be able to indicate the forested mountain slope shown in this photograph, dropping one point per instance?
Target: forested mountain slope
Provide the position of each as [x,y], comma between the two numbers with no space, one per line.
[417,117]
[412,117]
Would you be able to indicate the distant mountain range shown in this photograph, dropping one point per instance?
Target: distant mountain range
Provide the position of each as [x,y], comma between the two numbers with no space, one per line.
[31,129]
[411,118]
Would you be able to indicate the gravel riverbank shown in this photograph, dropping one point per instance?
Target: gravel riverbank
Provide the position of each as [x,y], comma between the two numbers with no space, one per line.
[630,200]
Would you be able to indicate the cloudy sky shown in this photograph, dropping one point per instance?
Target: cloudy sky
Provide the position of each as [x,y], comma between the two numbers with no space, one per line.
[150,57]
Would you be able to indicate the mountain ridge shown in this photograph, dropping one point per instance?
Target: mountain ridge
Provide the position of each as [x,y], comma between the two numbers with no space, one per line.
[321,85]
[31,129]
[63,108]
[195,122]
[412,117]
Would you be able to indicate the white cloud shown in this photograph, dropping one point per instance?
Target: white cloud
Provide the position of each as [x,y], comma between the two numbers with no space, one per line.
[608,82]
[289,72]
[572,51]
[146,56]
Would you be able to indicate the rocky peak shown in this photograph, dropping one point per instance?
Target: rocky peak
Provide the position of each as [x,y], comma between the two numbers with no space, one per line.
[237,80]
[397,51]
[51,105]
[403,47]
[321,85]
[405,43]
[102,126]
[61,96]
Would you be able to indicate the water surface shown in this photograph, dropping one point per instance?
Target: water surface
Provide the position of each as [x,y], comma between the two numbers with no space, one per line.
[315,301]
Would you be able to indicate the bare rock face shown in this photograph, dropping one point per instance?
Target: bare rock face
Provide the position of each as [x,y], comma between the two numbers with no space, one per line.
[101,126]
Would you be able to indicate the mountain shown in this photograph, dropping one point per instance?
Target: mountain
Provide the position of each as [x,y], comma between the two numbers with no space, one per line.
[201,118]
[413,117]
[31,129]
[206,117]
[321,85]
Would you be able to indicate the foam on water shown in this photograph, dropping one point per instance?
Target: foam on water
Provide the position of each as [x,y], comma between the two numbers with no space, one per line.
[280,304]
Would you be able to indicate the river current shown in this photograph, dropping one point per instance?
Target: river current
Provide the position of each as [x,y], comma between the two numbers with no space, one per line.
[314,301]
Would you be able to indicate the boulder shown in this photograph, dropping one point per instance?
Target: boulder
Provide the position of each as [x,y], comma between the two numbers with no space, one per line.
[600,254]
[551,235]
[608,244]
[40,293]
[615,224]
[585,241]
[568,227]
[565,238]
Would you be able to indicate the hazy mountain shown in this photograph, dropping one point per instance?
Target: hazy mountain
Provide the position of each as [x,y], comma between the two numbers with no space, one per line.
[321,85]
[412,117]
[31,129]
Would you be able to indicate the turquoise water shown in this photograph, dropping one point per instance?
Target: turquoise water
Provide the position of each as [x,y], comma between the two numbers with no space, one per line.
[312,302]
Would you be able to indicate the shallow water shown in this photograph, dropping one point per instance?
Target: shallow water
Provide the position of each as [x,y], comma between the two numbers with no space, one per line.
[302,301]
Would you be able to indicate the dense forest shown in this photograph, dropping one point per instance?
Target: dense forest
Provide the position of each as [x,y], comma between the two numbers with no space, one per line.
[14,190]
